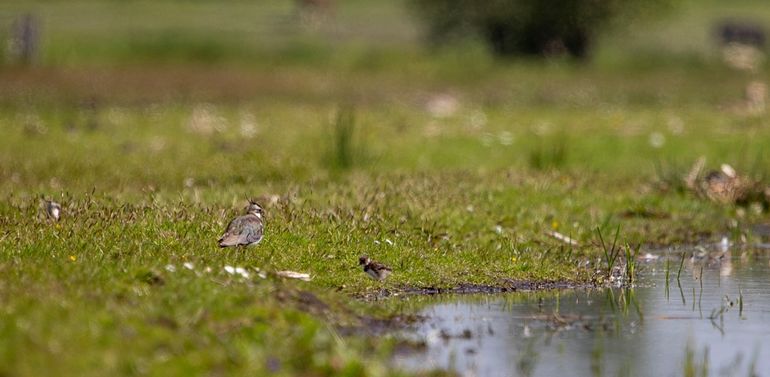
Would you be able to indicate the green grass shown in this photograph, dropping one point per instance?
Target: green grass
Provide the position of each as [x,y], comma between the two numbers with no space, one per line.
[152,138]
[143,188]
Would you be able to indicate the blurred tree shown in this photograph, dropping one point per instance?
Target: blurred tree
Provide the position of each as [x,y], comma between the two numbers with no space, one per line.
[529,27]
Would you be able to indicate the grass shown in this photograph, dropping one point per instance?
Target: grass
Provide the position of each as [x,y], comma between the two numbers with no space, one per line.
[610,254]
[667,269]
[631,254]
[168,178]
[345,151]
[150,155]
[681,264]
[693,366]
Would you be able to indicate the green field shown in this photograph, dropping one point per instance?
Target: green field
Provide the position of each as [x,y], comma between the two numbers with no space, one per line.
[447,165]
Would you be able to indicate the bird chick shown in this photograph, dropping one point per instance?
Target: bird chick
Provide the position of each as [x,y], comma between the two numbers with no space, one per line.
[53,210]
[375,270]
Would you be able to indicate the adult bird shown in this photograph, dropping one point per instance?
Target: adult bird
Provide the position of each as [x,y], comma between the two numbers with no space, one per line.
[246,230]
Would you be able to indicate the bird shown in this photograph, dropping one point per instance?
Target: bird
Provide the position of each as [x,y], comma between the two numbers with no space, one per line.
[246,230]
[727,186]
[375,270]
[53,210]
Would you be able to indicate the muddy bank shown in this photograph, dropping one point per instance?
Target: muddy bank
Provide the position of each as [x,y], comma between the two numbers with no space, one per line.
[468,288]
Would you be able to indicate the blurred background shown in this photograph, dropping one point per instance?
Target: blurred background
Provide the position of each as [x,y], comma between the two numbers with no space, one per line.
[377,85]
[328,32]
[367,34]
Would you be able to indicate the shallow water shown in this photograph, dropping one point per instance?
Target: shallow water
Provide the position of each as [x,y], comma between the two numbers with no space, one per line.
[645,331]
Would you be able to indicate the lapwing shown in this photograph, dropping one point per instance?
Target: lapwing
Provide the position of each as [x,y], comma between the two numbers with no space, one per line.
[52,210]
[727,186]
[375,270]
[246,230]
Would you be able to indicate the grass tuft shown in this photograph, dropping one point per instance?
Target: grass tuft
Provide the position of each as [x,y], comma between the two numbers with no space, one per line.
[610,253]
[548,153]
[631,260]
[346,150]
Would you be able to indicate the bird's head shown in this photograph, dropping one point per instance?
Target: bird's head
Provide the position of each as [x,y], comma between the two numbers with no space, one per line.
[362,260]
[254,208]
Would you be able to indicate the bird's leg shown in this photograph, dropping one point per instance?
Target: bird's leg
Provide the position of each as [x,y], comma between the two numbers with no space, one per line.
[269,259]
[240,252]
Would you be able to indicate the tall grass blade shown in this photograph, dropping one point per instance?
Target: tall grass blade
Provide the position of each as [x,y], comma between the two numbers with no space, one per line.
[681,264]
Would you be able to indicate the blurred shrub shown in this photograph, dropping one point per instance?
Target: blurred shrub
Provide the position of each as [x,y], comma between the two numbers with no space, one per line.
[529,27]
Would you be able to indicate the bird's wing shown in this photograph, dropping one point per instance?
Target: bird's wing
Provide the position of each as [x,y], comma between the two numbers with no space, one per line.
[242,230]
[379,266]
[232,236]
[254,230]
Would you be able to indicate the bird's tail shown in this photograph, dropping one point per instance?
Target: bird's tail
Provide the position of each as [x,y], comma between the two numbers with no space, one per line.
[228,240]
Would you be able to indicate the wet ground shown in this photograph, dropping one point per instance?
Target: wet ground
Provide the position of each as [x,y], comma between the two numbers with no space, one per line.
[715,318]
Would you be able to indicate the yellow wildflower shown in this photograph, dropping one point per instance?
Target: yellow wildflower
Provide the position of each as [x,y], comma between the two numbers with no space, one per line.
[72,258]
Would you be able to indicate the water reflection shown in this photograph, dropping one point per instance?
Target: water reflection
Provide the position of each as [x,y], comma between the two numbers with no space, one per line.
[716,316]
